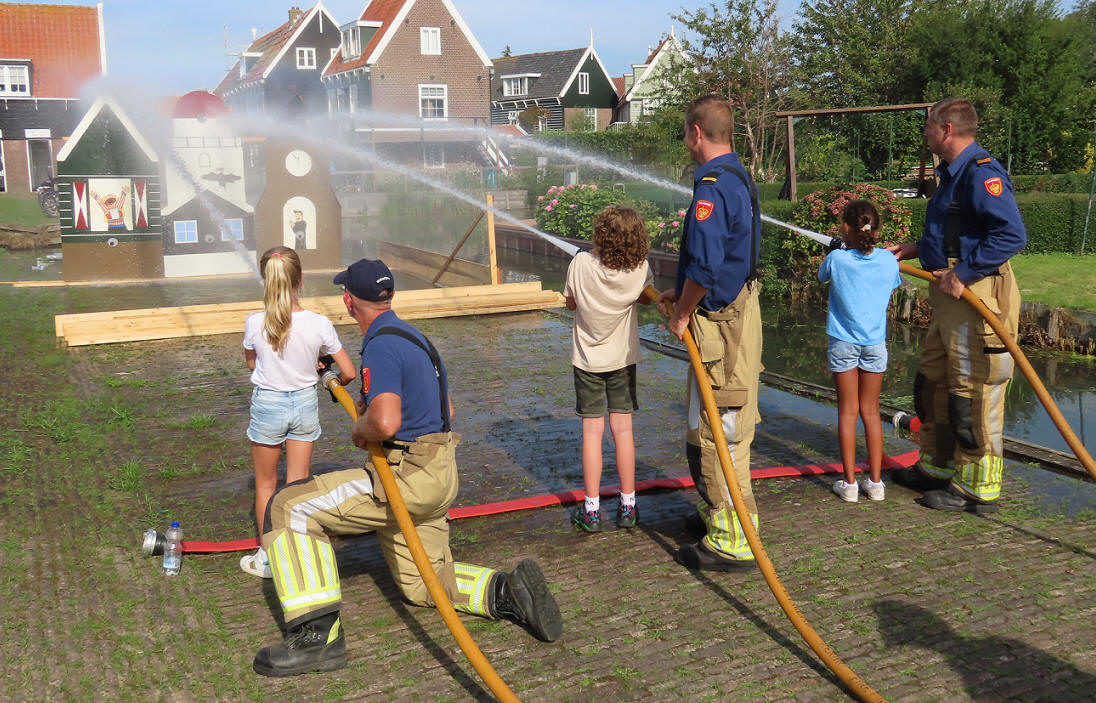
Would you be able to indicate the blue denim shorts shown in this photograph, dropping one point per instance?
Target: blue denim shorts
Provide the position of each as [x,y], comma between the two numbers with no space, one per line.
[845,356]
[280,415]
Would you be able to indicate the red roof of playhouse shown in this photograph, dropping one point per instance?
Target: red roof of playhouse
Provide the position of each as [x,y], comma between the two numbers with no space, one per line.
[63,43]
[199,103]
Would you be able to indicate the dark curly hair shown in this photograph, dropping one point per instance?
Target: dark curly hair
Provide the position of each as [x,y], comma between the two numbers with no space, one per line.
[621,238]
[863,221]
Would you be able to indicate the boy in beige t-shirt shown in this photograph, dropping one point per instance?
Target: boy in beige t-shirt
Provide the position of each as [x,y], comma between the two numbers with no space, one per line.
[603,287]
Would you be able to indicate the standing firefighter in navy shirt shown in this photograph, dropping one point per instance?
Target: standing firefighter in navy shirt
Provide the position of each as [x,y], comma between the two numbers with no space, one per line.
[972,229]
[405,407]
[716,297]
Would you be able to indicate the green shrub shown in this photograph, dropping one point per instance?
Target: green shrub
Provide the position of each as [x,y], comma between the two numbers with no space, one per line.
[569,211]
[1054,221]
[1053,183]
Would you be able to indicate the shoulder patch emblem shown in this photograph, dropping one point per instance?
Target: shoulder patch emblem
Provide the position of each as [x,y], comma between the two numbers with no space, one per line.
[704,209]
[365,380]
[710,179]
[983,161]
[994,186]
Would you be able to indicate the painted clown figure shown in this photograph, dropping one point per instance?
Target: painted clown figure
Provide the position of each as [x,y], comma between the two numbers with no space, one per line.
[114,208]
[972,229]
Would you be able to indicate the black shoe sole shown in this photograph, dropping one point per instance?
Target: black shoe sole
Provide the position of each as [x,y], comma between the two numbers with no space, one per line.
[531,592]
[694,557]
[969,506]
[331,664]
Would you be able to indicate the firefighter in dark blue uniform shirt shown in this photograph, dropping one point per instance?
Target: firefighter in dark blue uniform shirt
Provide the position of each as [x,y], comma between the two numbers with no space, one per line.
[972,229]
[716,297]
[405,408]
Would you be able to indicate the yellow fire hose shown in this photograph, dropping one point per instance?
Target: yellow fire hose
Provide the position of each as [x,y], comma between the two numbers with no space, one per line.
[823,650]
[1021,360]
[433,585]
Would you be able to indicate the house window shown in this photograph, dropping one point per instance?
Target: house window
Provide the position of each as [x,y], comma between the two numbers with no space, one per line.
[542,122]
[433,102]
[233,230]
[512,116]
[430,40]
[590,113]
[515,86]
[306,57]
[334,50]
[433,156]
[583,83]
[14,80]
[186,231]
[351,43]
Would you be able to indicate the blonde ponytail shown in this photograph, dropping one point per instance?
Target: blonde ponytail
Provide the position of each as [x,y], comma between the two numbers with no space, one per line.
[281,270]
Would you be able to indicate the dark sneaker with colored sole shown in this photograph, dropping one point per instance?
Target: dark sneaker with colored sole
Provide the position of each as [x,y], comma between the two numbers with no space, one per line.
[589,520]
[627,516]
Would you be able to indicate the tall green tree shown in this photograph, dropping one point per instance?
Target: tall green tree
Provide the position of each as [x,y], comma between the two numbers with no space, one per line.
[739,52]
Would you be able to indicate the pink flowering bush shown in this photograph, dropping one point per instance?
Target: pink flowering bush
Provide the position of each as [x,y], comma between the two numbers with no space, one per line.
[570,210]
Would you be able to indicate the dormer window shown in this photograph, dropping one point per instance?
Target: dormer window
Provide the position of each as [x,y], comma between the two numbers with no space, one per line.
[351,43]
[430,41]
[14,80]
[306,58]
[516,84]
[248,59]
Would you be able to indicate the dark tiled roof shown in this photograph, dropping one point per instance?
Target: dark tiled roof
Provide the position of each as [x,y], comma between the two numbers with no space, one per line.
[554,67]
[383,11]
[268,45]
[62,42]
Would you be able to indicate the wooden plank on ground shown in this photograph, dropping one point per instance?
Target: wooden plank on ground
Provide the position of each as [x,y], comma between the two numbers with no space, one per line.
[226,318]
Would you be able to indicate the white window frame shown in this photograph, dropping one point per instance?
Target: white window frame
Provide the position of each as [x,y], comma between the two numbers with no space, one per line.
[306,58]
[233,231]
[444,100]
[589,117]
[435,149]
[351,43]
[513,87]
[512,116]
[583,83]
[14,74]
[542,123]
[186,231]
[430,41]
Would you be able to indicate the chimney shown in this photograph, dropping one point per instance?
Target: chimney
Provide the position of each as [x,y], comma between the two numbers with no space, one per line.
[294,14]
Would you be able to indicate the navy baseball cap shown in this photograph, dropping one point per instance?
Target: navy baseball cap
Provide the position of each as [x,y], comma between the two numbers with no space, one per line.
[368,279]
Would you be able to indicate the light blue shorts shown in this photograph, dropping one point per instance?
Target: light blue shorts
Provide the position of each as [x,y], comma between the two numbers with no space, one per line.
[280,415]
[845,356]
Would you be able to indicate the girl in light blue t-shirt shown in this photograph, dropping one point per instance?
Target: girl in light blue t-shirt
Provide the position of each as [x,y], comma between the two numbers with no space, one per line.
[862,279]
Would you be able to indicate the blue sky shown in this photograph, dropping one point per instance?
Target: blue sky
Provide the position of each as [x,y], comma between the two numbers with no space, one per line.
[173,46]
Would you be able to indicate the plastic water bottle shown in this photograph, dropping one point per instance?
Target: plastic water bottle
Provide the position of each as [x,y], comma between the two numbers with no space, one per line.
[173,549]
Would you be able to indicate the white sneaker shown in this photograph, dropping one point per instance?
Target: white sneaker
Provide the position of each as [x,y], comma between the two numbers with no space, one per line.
[875,491]
[848,492]
[256,564]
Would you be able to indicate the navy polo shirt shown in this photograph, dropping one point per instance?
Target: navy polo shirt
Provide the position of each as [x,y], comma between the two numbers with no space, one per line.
[716,241]
[392,364]
[990,229]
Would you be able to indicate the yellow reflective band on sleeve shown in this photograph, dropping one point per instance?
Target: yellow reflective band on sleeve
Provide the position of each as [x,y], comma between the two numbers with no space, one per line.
[472,582]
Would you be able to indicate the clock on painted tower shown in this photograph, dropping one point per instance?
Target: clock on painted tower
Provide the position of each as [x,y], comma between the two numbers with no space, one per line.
[298,163]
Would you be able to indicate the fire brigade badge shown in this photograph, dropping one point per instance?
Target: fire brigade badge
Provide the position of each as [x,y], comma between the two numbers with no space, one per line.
[365,380]
[704,209]
[994,186]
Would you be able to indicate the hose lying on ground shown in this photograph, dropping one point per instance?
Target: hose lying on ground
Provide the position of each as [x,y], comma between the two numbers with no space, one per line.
[437,592]
[823,650]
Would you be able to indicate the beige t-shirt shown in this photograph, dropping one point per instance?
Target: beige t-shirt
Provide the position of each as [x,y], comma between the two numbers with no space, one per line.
[606,335]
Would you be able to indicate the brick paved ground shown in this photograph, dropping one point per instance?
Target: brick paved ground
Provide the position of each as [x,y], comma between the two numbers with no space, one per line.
[924,606]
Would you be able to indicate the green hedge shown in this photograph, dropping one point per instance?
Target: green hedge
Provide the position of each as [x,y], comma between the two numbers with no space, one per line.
[1053,183]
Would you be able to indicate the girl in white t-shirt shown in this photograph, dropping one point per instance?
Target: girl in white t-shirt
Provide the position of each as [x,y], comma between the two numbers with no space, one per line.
[603,287]
[282,346]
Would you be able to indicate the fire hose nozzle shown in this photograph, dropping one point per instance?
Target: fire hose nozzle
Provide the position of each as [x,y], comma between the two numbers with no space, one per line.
[153,544]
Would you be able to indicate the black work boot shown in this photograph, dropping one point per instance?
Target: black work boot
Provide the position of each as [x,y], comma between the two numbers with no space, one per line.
[701,557]
[694,524]
[915,478]
[316,645]
[954,502]
[523,597]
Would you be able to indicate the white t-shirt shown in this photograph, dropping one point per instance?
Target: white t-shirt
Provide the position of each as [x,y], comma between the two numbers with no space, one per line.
[310,336]
[606,335]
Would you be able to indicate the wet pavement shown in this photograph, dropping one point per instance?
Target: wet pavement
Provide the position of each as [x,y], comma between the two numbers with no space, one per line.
[922,605]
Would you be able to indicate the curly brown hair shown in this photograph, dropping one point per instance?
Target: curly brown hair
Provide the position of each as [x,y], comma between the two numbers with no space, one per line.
[621,238]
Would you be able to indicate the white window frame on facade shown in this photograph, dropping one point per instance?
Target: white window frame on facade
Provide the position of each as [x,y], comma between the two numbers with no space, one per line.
[589,115]
[433,155]
[444,97]
[430,41]
[542,123]
[514,86]
[14,80]
[351,43]
[183,231]
[512,116]
[306,58]
[583,83]
[233,230]
[334,50]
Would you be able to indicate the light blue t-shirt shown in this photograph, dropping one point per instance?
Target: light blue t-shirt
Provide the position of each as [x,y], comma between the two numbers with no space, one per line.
[860,291]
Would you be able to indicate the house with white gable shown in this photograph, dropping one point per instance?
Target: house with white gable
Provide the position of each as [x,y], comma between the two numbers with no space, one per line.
[646,84]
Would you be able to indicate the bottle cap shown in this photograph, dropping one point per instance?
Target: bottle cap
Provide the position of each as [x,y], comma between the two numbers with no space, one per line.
[174,523]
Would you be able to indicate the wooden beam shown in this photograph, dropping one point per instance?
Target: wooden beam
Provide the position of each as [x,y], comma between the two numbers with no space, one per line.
[854,110]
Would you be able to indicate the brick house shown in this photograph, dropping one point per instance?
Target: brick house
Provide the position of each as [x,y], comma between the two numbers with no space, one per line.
[412,61]
[280,71]
[568,89]
[47,53]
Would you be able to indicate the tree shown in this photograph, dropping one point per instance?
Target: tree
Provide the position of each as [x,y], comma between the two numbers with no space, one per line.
[739,53]
[506,53]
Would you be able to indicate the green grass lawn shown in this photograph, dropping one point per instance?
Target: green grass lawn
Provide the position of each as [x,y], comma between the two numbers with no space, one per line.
[1057,280]
[21,209]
